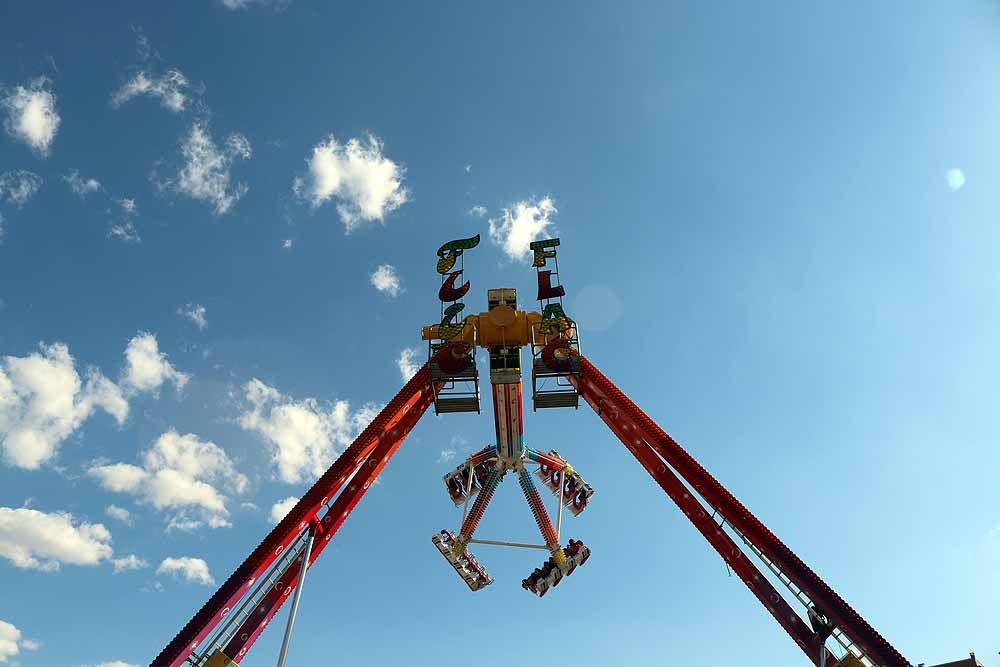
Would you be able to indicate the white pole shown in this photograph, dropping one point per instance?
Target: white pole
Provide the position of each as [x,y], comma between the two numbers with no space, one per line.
[562,485]
[295,600]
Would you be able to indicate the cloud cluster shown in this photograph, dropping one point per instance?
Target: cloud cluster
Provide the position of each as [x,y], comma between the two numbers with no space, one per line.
[31,114]
[191,569]
[205,175]
[169,89]
[519,225]
[36,540]
[305,437]
[406,361]
[386,280]
[18,187]
[147,369]
[182,475]
[81,186]
[194,312]
[366,184]
[43,400]
[11,641]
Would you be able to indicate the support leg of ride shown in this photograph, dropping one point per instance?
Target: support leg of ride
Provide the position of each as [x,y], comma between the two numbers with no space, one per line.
[298,596]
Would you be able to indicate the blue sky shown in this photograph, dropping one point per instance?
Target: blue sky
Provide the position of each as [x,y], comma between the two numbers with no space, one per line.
[779,228]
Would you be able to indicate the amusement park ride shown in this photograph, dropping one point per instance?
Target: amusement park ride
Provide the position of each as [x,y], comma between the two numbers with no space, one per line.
[221,633]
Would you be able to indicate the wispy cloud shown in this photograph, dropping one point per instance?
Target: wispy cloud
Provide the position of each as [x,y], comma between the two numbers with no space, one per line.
[125,229]
[206,172]
[386,280]
[81,186]
[18,187]
[170,89]
[196,313]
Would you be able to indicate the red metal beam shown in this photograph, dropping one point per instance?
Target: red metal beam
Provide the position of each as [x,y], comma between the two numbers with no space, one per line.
[326,528]
[745,569]
[414,396]
[637,431]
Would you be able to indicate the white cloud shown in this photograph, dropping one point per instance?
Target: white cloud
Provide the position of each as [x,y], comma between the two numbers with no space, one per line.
[478,211]
[36,540]
[282,507]
[31,114]
[305,437]
[18,187]
[11,642]
[366,184]
[405,361]
[243,4]
[525,222]
[179,473]
[43,400]
[386,280]
[126,232]
[119,514]
[955,178]
[447,456]
[81,186]
[9,639]
[146,368]
[194,312]
[192,569]
[206,174]
[169,88]
[127,205]
[287,243]
[130,562]
[468,168]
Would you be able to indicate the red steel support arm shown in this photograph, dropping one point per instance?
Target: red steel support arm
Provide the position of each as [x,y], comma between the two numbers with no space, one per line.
[387,427]
[640,433]
[325,528]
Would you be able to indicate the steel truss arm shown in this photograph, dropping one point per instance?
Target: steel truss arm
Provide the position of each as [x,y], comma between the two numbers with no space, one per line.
[656,450]
[373,446]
